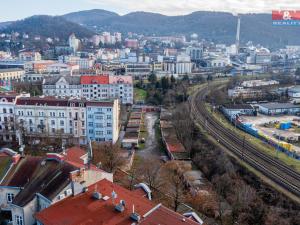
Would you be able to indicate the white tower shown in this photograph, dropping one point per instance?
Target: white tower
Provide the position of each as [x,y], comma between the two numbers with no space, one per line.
[238,30]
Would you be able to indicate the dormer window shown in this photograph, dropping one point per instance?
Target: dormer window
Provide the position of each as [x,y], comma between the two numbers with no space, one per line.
[10,197]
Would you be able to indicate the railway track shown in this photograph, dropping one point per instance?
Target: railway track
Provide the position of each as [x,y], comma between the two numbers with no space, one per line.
[272,168]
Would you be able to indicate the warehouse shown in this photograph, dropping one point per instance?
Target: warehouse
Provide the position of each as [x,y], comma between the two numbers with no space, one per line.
[238,109]
[278,108]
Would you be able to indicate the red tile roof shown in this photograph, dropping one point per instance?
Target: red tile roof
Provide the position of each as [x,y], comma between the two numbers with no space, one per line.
[74,156]
[174,145]
[83,209]
[94,79]
[165,216]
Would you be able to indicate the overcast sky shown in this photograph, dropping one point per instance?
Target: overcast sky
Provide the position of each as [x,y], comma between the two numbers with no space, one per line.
[18,9]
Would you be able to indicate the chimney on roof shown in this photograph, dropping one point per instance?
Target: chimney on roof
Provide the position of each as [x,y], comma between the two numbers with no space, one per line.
[135,216]
[121,206]
[97,195]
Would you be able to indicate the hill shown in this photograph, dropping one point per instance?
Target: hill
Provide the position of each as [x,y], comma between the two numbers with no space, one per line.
[90,17]
[4,24]
[215,26]
[48,26]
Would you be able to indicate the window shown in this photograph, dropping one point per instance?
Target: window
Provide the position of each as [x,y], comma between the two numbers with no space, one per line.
[99,117]
[19,220]
[109,132]
[91,124]
[10,197]
[62,123]
[52,122]
[109,117]
[108,124]
[100,133]
[99,125]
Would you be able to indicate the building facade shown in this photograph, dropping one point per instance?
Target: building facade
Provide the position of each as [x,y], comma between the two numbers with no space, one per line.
[91,87]
[11,74]
[102,125]
[66,119]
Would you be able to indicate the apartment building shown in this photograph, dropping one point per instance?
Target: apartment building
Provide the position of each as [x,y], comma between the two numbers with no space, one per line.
[7,115]
[103,121]
[62,86]
[11,74]
[66,118]
[91,87]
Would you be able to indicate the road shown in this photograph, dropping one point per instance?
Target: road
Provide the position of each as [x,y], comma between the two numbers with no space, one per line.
[287,178]
[152,147]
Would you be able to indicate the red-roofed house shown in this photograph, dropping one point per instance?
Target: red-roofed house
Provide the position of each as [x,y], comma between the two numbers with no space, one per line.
[110,204]
[35,183]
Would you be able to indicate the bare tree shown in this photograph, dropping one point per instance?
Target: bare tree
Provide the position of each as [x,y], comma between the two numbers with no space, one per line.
[108,156]
[184,125]
[149,171]
[174,184]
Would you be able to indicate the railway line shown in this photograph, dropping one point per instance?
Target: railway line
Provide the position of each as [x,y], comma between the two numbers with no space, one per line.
[286,177]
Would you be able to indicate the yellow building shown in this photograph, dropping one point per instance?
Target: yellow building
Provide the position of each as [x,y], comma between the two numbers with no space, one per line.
[11,74]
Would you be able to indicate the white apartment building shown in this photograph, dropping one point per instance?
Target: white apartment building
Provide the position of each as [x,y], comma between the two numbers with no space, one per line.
[62,86]
[74,43]
[7,116]
[67,118]
[62,68]
[30,56]
[91,87]
[50,117]
[83,63]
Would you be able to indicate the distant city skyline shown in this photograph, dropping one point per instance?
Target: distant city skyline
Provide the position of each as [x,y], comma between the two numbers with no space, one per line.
[18,9]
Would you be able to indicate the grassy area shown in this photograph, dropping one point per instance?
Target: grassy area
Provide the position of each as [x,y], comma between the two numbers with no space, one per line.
[257,142]
[4,163]
[139,94]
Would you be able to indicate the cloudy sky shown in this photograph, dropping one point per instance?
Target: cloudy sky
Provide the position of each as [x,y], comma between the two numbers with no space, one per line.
[18,9]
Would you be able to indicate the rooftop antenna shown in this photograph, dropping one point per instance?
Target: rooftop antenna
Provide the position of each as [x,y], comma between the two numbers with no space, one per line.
[238,31]
[113,196]
[20,139]
[63,148]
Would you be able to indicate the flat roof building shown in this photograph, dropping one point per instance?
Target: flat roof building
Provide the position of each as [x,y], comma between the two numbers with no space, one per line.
[278,108]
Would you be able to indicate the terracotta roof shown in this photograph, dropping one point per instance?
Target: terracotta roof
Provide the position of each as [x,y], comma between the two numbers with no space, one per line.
[94,79]
[84,209]
[165,216]
[75,155]
[173,145]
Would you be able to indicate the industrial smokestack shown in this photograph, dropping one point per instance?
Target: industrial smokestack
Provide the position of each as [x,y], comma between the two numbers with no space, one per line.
[238,31]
